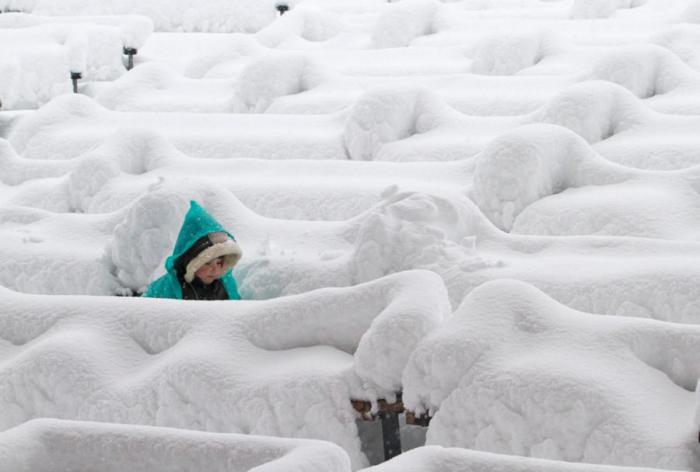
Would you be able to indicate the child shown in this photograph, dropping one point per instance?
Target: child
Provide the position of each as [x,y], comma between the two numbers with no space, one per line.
[201,263]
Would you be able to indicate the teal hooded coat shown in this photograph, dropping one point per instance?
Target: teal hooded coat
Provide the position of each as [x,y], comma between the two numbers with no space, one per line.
[198,223]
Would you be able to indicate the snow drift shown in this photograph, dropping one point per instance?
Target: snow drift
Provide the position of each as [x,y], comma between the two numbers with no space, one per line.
[253,370]
[515,372]
[46,445]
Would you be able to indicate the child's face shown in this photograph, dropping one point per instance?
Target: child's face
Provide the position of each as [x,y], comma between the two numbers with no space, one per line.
[211,271]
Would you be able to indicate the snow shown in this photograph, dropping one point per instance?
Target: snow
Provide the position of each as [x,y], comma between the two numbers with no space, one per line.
[45,50]
[79,445]
[439,459]
[513,371]
[183,15]
[286,367]
[489,206]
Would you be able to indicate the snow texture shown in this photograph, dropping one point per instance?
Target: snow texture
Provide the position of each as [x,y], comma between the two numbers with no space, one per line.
[439,459]
[73,445]
[533,165]
[286,367]
[183,15]
[515,372]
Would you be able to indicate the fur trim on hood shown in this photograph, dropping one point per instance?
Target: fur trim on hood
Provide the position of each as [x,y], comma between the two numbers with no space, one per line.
[222,245]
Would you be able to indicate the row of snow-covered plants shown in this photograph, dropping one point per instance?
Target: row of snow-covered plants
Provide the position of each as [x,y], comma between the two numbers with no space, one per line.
[490,207]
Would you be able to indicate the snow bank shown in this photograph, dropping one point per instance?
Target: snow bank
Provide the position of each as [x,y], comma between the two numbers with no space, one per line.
[691,14]
[58,112]
[402,22]
[594,110]
[230,52]
[35,69]
[439,459]
[531,162]
[156,87]
[682,40]
[306,22]
[644,208]
[508,54]
[601,8]
[385,115]
[285,367]
[216,16]
[134,29]
[645,70]
[515,372]
[47,445]
[408,230]
[14,170]
[74,124]
[91,48]
[270,77]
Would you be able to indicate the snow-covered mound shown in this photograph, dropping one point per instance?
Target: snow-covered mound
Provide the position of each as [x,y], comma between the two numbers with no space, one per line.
[74,124]
[439,459]
[271,77]
[383,116]
[447,235]
[531,162]
[37,67]
[595,110]
[286,367]
[554,144]
[536,161]
[46,445]
[184,15]
[134,30]
[404,21]
[644,70]
[15,170]
[515,372]
[306,23]
[501,54]
[682,40]
[45,50]
[601,8]
[643,208]
[157,87]
[130,162]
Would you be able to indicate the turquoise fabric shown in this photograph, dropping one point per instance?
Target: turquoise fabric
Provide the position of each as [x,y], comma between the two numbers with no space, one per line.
[198,223]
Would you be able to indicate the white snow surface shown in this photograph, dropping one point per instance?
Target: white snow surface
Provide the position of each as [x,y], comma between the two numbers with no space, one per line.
[78,445]
[513,371]
[285,367]
[439,459]
[492,206]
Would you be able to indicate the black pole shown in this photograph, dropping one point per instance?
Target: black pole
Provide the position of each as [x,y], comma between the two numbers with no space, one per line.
[75,76]
[391,435]
[282,8]
[130,53]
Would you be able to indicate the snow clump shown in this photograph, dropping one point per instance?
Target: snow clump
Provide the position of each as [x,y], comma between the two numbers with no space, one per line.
[601,8]
[46,445]
[594,110]
[306,22]
[382,116]
[270,77]
[515,372]
[508,54]
[644,208]
[442,459]
[531,162]
[402,22]
[644,70]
